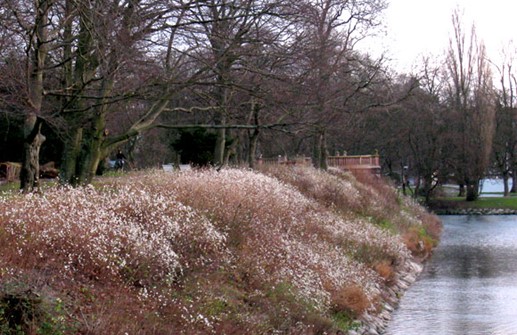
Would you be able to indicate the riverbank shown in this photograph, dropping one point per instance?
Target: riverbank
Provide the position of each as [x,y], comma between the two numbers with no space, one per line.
[493,205]
[475,211]
[376,323]
[284,251]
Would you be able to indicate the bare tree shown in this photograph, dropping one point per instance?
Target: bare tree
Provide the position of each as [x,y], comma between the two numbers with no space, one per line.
[226,33]
[336,74]
[471,99]
[505,139]
[411,134]
[107,63]
[30,25]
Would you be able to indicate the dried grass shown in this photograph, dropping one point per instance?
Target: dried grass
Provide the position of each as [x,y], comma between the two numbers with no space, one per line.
[156,251]
[350,299]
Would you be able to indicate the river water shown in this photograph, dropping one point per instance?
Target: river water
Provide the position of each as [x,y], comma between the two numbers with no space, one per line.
[469,287]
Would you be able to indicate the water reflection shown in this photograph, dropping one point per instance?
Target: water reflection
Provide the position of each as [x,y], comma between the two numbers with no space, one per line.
[470,284]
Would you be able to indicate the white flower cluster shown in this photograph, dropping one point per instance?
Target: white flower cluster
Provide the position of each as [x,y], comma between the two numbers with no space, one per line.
[157,227]
[129,233]
[286,236]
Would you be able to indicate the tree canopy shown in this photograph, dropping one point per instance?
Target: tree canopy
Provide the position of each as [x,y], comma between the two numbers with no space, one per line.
[81,78]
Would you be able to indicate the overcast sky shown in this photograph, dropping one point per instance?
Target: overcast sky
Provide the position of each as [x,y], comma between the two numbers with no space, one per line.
[423,27]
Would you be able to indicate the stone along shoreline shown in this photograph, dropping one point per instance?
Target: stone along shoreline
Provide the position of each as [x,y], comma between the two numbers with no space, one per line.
[476,211]
[375,324]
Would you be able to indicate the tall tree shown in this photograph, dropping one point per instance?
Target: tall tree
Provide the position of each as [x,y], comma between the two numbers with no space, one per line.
[336,74]
[106,60]
[472,105]
[226,32]
[505,140]
[31,27]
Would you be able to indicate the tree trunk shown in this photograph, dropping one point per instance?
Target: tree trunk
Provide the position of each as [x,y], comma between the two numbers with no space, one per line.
[472,190]
[33,139]
[220,120]
[90,158]
[254,136]
[316,150]
[506,186]
[220,145]
[514,181]
[429,187]
[320,151]
[403,178]
[323,151]
[428,193]
[462,192]
[232,150]
[417,186]
[71,155]
[252,153]
[83,152]
[92,150]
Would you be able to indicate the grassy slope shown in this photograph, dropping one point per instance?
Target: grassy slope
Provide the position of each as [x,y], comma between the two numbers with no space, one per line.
[285,251]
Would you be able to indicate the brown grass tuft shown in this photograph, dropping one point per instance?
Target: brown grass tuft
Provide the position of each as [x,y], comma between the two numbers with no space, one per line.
[432,224]
[350,299]
[386,271]
[419,242]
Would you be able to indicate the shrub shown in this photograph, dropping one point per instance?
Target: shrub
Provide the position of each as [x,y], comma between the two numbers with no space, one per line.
[419,242]
[198,252]
[386,271]
[350,299]
[132,235]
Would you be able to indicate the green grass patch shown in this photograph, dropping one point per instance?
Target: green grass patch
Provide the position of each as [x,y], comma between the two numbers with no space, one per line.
[388,226]
[495,202]
[344,321]
[10,187]
[489,202]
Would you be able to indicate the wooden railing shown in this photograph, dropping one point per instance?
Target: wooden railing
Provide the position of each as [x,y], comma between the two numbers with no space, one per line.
[353,161]
[366,163]
[369,164]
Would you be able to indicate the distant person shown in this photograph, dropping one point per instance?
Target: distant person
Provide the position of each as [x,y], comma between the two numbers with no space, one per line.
[120,160]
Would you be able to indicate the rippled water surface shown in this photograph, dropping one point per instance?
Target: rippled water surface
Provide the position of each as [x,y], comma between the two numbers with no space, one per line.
[469,287]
